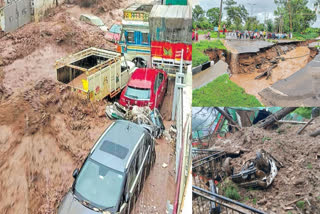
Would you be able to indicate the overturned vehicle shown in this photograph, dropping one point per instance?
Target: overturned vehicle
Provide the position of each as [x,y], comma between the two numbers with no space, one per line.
[259,172]
[149,119]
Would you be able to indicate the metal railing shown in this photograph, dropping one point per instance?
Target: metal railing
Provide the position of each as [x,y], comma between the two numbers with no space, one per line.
[205,202]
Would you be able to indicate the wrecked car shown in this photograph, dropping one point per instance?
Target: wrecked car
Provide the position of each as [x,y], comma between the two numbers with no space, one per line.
[258,172]
[93,20]
[114,172]
[151,120]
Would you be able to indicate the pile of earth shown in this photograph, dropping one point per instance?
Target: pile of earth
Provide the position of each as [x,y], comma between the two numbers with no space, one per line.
[298,180]
[45,133]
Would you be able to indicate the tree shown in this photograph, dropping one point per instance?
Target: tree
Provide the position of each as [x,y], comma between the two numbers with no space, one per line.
[236,14]
[252,23]
[213,16]
[270,25]
[302,16]
[197,13]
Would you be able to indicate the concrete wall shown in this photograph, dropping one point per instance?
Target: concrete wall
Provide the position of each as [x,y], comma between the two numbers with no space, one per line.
[41,6]
[1,20]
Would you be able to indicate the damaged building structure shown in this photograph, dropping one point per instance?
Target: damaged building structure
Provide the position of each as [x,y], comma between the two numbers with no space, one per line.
[16,13]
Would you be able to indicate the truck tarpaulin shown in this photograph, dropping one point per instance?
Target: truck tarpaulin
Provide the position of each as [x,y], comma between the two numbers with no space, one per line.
[171,23]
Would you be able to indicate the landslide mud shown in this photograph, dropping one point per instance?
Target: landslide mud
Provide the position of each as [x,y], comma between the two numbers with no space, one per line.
[288,60]
[283,70]
[45,130]
[298,179]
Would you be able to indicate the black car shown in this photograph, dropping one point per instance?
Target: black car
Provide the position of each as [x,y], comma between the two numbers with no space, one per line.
[114,172]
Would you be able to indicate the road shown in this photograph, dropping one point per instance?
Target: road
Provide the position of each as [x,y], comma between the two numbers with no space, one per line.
[296,89]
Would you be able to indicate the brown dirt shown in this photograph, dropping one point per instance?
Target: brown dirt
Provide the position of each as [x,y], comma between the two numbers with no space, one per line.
[45,130]
[216,54]
[283,70]
[45,133]
[300,176]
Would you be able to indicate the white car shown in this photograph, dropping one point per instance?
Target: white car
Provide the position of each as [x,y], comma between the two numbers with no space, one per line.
[94,20]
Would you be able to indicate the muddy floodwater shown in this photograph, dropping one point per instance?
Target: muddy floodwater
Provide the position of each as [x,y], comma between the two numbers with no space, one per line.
[282,71]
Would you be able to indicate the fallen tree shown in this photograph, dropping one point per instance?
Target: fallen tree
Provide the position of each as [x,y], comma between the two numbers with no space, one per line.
[315,134]
[271,119]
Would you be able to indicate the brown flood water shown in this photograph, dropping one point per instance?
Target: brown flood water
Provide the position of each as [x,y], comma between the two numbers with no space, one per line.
[283,70]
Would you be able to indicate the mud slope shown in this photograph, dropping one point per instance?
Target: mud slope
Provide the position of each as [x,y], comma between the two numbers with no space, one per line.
[300,155]
[45,133]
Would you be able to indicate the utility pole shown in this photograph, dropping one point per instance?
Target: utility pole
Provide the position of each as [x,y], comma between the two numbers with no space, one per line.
[290,17]
[220,19]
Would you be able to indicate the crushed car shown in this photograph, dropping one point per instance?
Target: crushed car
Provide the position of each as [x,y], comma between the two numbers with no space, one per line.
[149,119]
[259,172]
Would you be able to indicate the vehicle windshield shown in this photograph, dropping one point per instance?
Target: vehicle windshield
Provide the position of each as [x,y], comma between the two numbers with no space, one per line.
[97,21]
[99,185]
[138,93]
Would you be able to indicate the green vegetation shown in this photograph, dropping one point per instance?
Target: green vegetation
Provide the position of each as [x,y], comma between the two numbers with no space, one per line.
[231,191]
[304,112]
[254,201]
[198,48]
[223,92]
[213,34]
[301,204]
[309,166]
[265,139]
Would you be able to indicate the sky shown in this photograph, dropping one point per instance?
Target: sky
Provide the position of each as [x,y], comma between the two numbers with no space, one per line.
[259,8]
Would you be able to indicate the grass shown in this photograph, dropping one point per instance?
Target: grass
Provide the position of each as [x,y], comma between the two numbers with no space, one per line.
[223,92]
[254,201]
[304,112]
[309,166]
[231,191]
[306,36]
[301,204]
[213,34]
[198,48]
[265,139]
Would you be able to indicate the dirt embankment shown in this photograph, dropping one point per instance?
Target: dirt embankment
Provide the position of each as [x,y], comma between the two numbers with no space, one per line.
[216,54]
[45,133]
[299,179]
[260,62]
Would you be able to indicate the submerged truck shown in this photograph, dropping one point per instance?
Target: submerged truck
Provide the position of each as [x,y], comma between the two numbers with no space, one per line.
[94,73]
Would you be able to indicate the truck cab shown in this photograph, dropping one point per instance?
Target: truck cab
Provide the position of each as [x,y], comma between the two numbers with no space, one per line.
[135,40]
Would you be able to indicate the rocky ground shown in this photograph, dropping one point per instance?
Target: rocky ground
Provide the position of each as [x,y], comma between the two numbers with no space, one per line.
[298,180]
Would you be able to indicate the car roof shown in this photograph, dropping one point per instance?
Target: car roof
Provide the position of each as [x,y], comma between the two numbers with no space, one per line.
[90,16]
[143,77]
[117,144]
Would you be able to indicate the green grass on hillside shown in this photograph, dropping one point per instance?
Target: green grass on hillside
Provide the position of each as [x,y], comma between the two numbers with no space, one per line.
[223,92]
[198,48]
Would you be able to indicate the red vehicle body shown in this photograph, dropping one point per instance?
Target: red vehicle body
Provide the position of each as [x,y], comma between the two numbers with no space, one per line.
[146,87]
[171,51]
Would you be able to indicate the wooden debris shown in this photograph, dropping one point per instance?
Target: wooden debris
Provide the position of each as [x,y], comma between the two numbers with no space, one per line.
[266,72]
[271,119]
[305,126]
[315,134]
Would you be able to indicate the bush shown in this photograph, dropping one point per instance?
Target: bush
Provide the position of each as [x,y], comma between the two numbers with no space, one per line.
[304,112]
[231,192]
[223,92]
[301,204]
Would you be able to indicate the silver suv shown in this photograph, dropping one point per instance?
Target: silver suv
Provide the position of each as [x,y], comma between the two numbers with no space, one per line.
[114,172]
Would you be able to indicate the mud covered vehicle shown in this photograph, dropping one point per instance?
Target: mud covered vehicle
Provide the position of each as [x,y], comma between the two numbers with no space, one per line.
[113,174]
